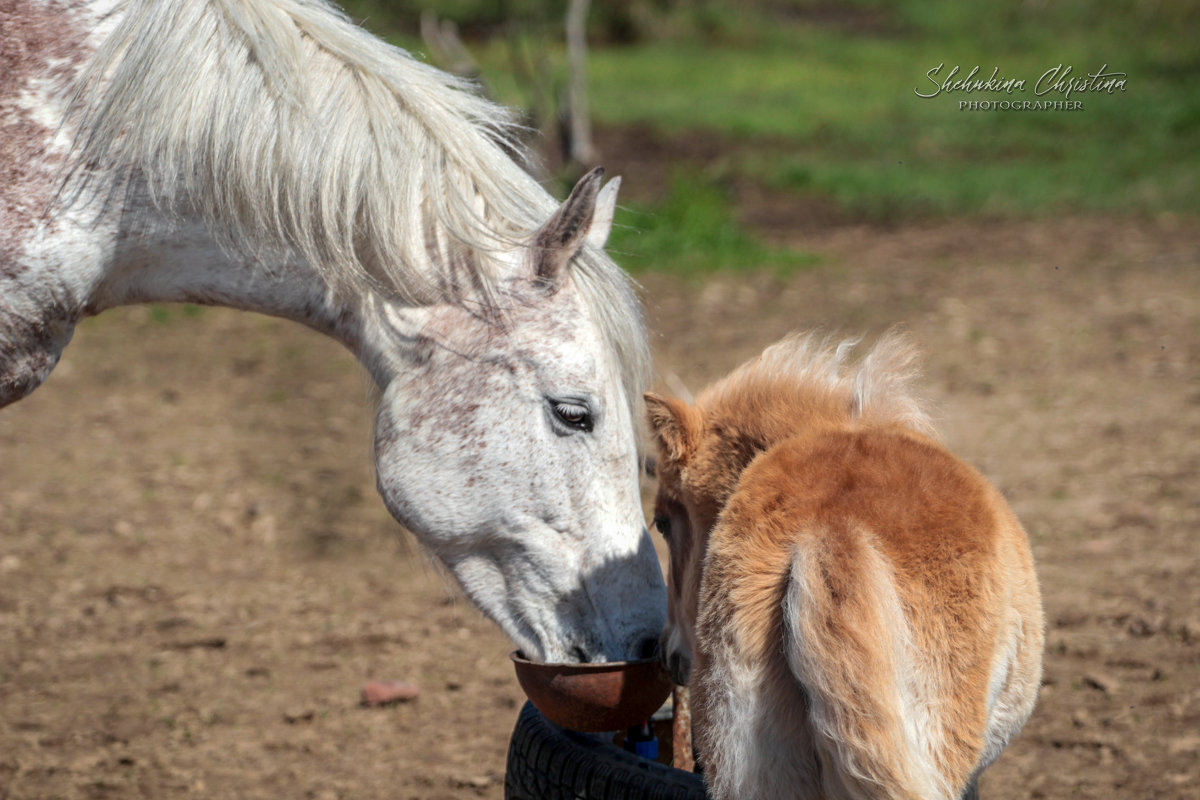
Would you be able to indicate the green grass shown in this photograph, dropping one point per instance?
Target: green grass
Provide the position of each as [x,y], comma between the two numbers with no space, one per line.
[693,231]
[835,113]
[164,314]
[826,107]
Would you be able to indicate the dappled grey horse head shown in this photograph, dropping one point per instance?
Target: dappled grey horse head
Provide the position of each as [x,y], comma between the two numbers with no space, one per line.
[508,444]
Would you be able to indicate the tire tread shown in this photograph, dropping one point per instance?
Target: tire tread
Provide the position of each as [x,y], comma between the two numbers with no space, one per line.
[546,762]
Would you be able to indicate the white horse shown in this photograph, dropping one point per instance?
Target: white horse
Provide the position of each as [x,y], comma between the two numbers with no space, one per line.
[270,155]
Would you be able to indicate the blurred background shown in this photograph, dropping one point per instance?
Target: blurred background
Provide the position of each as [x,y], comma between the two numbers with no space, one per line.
[742,122]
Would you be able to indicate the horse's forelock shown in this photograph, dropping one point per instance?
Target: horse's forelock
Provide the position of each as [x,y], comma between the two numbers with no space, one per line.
[610,297]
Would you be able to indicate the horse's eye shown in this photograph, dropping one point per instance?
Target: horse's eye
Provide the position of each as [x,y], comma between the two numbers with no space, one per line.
[574,416]
[663,523]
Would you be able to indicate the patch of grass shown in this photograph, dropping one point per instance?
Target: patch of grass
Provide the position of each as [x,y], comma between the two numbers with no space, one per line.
[837,114]
[161,314]
[821,99]
[693,231]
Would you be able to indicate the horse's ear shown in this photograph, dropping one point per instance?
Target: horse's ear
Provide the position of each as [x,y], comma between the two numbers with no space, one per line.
[675,426]
[602,220]
[585,216]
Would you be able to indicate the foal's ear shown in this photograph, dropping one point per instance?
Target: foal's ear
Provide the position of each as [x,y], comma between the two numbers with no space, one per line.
[675,425]
[585,216]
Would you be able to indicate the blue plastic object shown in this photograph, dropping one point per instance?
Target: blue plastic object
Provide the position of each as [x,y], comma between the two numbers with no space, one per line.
[641,741]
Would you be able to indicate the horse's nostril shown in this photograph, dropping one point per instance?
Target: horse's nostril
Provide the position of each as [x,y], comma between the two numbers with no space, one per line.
[578,655]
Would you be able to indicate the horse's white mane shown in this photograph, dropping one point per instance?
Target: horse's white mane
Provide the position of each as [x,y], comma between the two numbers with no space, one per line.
[284,123]
[289,128]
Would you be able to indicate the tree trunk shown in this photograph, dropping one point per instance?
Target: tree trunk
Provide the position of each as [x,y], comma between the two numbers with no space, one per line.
[579,150]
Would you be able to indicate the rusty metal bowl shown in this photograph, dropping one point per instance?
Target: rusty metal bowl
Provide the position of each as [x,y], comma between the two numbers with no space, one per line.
[594,697]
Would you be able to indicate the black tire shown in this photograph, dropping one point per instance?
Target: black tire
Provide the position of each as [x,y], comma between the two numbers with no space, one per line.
[546,762]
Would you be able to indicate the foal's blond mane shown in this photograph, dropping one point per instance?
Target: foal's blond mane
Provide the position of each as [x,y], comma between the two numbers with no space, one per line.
[291,130]
[806,378]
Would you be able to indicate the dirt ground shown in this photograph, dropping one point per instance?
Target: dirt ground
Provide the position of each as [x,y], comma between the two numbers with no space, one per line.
[197,577]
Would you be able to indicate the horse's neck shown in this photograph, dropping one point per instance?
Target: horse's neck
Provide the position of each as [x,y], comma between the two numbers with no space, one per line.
[87,257]
[75,266]
[136,254]
[181,261]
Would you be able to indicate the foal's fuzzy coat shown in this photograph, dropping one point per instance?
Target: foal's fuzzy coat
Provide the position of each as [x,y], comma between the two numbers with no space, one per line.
[859,607]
